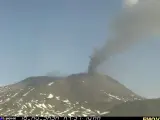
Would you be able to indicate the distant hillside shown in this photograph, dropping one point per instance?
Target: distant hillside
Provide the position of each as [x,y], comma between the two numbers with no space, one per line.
[78,94]
[150,107]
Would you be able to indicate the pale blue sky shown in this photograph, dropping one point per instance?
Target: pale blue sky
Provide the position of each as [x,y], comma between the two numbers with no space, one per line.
[37,37]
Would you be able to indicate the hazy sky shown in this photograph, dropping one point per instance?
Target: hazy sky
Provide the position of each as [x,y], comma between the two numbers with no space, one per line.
[37,37]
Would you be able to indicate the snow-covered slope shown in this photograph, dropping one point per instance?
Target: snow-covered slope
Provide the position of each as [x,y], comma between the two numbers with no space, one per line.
[76,95]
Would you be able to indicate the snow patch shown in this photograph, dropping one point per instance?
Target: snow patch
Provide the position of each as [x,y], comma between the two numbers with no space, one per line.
[50,83]
[43,94]
[66,110]
[102,112]
[50,96]
[43,105]
[20,112]
[50,105]
[88,110]
[38,105]
[72,113]
[66,101]
[24,106]
[29,104]
[57,97]
[15,94]
[113,96]
[28,92]
[84,115]
[31,110]
[7,99]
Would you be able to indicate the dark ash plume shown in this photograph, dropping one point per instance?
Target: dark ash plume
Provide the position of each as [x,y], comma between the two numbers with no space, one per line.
[131,26]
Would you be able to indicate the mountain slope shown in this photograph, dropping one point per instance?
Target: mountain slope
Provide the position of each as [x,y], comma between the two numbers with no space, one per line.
[150,107]
[79,94]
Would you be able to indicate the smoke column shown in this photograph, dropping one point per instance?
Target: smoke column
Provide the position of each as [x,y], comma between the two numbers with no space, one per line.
[132,25]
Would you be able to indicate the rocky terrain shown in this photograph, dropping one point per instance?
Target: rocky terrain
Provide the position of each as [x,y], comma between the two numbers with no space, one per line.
[76,95]
[149,107]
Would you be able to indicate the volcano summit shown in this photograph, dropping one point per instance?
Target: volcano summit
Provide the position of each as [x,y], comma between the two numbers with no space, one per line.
[75,95]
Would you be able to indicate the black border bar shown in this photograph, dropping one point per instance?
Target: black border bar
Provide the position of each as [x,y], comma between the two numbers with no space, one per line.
[79,118]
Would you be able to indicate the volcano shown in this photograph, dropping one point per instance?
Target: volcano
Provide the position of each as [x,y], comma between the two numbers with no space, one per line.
[80,94]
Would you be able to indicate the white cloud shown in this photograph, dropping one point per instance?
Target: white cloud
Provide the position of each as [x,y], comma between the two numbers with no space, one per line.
[129,3]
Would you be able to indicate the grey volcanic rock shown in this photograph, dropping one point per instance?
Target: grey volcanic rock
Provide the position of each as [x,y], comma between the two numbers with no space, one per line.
[76,95]
[149,107]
